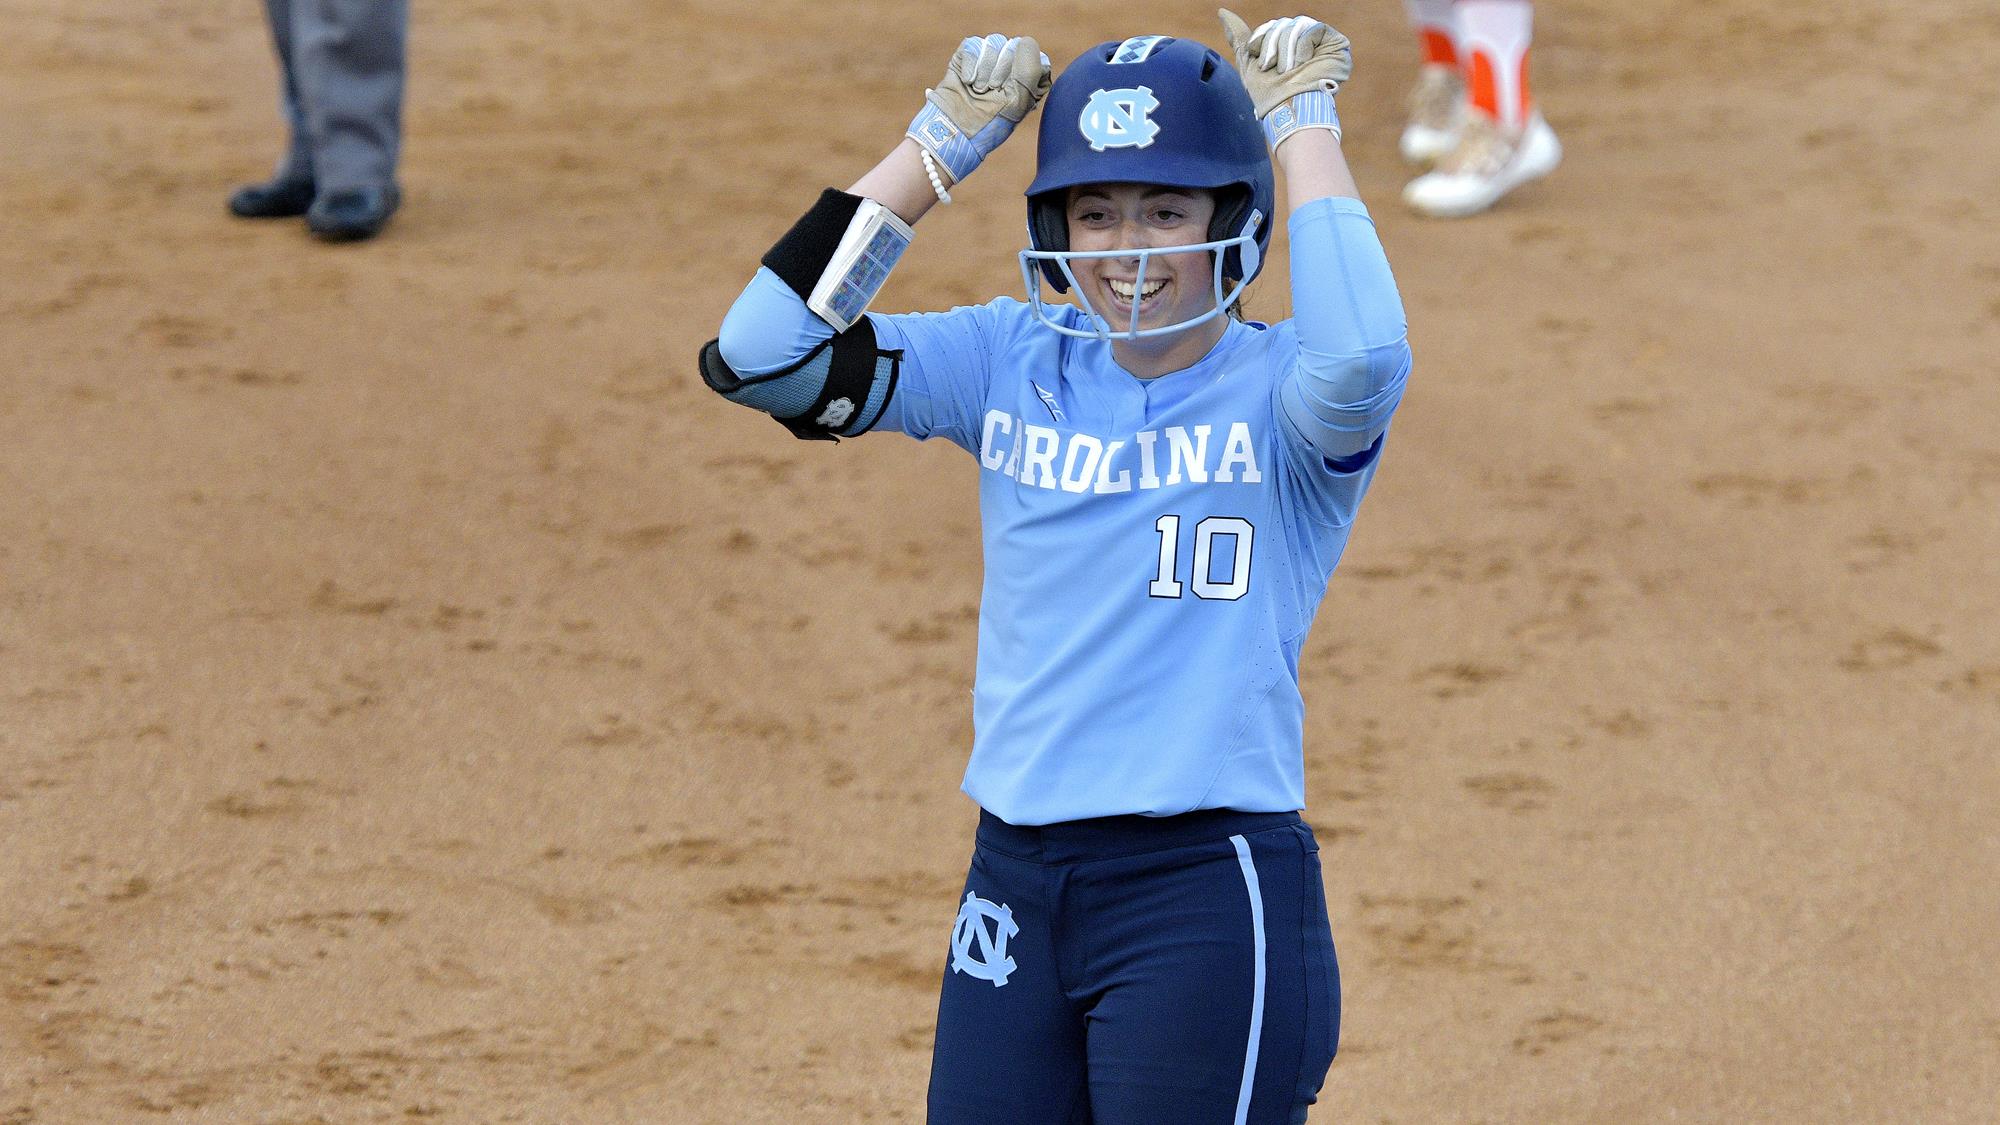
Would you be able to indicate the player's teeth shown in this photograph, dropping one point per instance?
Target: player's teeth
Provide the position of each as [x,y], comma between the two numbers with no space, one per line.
[1126,290]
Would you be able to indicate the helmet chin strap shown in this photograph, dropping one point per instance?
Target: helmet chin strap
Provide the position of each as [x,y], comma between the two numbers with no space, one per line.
[1226,294]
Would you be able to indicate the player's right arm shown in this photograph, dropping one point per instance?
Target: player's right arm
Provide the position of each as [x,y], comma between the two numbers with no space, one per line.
[825,379]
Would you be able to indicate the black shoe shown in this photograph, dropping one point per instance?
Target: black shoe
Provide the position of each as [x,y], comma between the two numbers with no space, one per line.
[281,198]
[352,214]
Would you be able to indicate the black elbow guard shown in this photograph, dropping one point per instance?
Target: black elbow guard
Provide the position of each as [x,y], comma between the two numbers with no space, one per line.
[838,390]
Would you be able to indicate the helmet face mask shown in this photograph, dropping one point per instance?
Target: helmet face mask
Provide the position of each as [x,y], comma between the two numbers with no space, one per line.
[1036,263]
[1149,110]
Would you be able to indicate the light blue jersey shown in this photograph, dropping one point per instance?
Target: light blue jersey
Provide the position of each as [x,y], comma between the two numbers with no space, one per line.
[1155,550]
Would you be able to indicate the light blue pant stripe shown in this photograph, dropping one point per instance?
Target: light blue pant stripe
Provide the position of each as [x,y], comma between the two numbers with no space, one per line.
[1257,991]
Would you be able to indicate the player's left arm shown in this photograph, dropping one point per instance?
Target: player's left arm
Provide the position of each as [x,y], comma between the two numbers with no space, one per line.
[1354,350]
[799,344]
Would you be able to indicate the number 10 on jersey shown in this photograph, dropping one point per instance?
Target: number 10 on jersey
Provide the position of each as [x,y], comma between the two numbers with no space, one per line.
[1234,532]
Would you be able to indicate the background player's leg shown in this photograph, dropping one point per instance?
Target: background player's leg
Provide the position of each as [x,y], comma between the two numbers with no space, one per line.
[1437,101]
[1505,142]
[350,57]
[1184,1028]
[290,189]
[1496,36]
[1009,1047]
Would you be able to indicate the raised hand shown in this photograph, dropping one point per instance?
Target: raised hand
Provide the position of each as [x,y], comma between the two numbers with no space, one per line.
[993,82]
[1292,67]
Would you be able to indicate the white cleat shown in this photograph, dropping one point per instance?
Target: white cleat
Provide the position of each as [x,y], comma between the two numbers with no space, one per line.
[1437,113]
[1488,163]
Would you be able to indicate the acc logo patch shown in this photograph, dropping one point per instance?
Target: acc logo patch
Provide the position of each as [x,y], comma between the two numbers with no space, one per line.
[1048,400]
[1119,119]
[983,928]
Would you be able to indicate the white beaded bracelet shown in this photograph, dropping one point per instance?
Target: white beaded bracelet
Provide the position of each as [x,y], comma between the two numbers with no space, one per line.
[937,182]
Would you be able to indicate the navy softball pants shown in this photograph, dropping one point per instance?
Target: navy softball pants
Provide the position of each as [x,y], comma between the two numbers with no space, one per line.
[1137,970]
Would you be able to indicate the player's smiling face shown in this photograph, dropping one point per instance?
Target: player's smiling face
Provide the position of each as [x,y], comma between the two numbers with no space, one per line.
[1178,287]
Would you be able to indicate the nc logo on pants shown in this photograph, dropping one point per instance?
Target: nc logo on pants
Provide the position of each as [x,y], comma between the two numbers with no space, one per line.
[1119,119]
[986,926]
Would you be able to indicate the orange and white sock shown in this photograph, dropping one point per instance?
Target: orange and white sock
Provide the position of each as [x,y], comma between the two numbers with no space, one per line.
[1432,20]
[1493,44]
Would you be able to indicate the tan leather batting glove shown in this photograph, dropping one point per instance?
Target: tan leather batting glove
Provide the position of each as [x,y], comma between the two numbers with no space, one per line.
[1292,68]
[992,83]
[1287,57]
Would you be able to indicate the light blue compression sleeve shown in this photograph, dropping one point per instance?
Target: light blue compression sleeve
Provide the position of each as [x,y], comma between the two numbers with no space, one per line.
[943,367]
[778,350]
[1354,345]
[769,328]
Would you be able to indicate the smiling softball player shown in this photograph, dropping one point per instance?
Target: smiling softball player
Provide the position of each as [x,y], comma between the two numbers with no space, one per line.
[1142,937]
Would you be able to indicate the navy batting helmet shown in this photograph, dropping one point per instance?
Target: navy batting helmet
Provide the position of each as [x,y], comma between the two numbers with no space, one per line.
[1154,109]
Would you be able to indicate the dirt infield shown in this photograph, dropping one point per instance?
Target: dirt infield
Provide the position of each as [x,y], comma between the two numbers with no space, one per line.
[420,700]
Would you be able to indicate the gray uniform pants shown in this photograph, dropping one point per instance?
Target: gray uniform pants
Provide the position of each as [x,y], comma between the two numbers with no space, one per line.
[342,62]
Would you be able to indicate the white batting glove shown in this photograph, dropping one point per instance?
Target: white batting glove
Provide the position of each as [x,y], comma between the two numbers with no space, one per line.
[992,83]
[1292,68]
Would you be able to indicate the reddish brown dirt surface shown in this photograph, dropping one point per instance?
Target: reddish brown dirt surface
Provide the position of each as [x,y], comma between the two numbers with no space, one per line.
[420,700]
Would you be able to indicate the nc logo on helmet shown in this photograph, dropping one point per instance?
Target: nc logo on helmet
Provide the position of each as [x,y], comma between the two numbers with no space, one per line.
[1119,118]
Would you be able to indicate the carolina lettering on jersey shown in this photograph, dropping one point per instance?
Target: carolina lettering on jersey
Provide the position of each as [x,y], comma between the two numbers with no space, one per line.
[1045,457]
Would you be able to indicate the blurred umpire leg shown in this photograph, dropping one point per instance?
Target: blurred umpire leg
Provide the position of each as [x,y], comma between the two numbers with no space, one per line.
[289,191]
[348,56]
